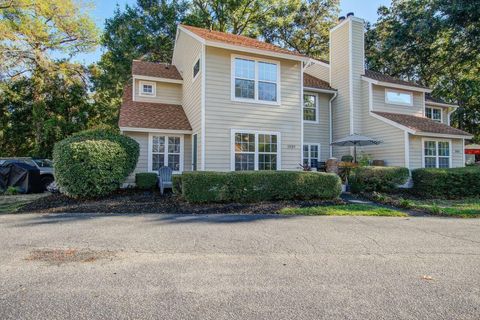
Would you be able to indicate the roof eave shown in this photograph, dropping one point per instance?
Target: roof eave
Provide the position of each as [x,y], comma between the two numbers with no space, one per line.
[159,79]
[438,104]
[395,85]
[256,51]
[442,135]
[332,91]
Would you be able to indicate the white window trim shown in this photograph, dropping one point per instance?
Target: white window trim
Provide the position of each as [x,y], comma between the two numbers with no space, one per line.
[450,162]
[309,151]
[194,77]
[143,94]
[316,107]
[255,100]
[398,91]
[434,108]
[150,150]
[256,133]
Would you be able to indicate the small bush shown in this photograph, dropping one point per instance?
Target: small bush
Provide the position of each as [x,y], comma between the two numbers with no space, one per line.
[177,184]
[204,187]
[93,163]
[146,180]
[450,183]
[381,179]
[11,191]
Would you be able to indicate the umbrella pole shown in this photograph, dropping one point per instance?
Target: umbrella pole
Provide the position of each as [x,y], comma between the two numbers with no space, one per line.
[355,153]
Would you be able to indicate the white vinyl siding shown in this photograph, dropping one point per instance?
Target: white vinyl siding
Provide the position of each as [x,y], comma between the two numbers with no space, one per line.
[223,114]
[142,163]
[320,132]
[319,71]
[187,52]
[168,93]
[379,103]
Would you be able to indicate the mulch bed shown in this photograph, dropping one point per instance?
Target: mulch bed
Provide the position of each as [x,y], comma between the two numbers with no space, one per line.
[137,201]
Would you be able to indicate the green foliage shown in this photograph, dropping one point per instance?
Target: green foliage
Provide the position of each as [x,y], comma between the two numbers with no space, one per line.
[177,184]
[383,179]
[204,187]
[435,43]
[11,191]
[93,163]
[146,180]
[344,210]
[347,158]
[450,183]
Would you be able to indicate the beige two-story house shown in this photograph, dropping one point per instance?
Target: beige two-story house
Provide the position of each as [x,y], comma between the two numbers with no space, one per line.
[229,102]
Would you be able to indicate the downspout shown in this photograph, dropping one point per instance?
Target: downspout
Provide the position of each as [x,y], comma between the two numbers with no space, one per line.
[331,121]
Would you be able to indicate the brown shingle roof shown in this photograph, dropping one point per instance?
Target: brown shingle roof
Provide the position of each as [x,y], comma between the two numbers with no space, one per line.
[154,69]
[237,40]
[386,78]
[137,114]
[421,124]
[429,98]
[313,82]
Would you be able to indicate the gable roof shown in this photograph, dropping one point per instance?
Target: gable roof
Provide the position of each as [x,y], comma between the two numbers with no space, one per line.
[422,124]
[136,114]
[155,69]
[386,78]
[237,40]
[310,81]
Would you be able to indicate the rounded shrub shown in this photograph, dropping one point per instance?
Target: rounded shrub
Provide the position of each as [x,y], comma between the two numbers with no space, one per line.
[93,163]
[146,180]
[383,179]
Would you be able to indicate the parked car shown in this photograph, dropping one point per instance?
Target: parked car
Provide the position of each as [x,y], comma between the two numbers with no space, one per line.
[44,165]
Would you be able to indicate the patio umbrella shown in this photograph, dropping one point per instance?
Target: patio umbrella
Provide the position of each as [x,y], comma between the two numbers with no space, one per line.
[355,140]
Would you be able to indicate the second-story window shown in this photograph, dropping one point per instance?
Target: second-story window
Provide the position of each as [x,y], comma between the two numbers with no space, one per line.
[310,109]
[434,113]
[255,80]
[147,88]
[399,97]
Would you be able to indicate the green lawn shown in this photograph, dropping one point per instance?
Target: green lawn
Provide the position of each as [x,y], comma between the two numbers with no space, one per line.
[464,208]
[343,210]
[10,204]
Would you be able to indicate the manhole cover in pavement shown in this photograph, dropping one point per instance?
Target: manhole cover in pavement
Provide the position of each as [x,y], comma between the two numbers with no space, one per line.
[59,256]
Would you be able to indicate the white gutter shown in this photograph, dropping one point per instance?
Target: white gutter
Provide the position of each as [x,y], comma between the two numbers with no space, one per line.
[335,94]
[395,85]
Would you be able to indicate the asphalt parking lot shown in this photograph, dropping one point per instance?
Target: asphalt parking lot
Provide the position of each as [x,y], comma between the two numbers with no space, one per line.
[238,267]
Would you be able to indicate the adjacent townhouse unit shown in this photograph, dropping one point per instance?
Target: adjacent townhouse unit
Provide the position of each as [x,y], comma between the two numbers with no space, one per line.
[229,102]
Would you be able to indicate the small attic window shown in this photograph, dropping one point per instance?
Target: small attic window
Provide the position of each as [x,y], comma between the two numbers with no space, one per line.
[196,69]
[147,88]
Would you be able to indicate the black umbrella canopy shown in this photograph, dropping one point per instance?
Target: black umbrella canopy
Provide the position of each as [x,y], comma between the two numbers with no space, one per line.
[355,140]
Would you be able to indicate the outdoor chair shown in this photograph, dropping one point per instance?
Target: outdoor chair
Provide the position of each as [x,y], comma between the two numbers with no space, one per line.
[164,178]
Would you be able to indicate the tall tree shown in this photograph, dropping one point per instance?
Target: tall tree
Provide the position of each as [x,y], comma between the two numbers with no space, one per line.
[66,109]
[143,31]
[434,42]
[32,32]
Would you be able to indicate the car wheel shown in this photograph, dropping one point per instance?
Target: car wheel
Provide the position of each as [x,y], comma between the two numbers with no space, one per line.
[46,181]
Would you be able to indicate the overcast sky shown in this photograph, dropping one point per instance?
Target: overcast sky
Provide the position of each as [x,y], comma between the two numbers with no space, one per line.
[366,9]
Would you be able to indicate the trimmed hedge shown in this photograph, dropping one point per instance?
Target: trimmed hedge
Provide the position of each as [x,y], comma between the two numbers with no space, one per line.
[205,187]
[93,163]
[381,179]
[146,180]
[450,183]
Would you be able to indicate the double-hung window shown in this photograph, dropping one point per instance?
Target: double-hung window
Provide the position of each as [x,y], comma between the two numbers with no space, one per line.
[255,151]
[165,151]
[311,153]
[404,98]
[255,80]
[434,113]
[436,154]
[147,88]
[310,108]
